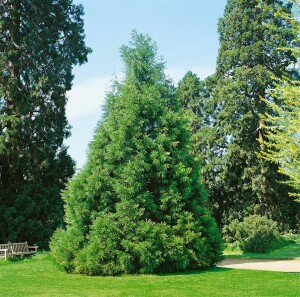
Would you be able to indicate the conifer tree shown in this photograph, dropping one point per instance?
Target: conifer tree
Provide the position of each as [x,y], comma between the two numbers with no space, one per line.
[138,205]
[191,94]
[251,33]
[194,96]
[40,41]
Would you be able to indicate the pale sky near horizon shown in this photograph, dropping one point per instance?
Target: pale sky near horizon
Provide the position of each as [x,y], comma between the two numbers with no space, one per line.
[184,30]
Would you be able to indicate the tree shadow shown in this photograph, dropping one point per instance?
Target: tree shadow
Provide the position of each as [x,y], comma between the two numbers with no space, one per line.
[19,258]
[196,272]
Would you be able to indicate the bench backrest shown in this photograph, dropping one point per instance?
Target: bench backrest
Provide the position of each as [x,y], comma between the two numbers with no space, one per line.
[20,247]
[4,246]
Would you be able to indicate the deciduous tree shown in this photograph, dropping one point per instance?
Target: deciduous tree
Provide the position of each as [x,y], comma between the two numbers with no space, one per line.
[283,123]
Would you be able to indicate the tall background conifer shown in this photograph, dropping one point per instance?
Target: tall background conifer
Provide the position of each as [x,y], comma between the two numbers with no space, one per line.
[249,60]
[40,41]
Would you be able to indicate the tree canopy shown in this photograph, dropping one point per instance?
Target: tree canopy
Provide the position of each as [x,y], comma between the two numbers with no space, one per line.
[138,204]
[248,64]
[283,124]
[40,41]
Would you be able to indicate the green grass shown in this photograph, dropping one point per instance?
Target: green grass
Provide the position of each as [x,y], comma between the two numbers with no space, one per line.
[40,276]
[287,251]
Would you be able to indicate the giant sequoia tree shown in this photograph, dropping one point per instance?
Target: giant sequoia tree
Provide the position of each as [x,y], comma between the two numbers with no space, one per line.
[138,205]
[251,33]
[40,41]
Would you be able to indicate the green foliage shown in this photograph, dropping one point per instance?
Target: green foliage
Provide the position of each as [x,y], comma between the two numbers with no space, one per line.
[62,246]
[249,62]
[192,94]
[283,145]
[138,204]
[40,41]
[282,129]
[255,233]
[291,237]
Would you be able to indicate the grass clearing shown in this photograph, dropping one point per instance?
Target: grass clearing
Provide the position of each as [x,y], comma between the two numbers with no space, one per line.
[289,251]
[41,276]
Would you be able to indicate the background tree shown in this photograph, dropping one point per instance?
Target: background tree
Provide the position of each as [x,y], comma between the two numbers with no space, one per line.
[283,124]
[239,182]
[195,97]
[192,94]
[138,205]
[40,41]
[283,142]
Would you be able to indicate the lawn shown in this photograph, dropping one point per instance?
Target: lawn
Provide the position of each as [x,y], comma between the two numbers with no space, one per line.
[288,251]
[40,276]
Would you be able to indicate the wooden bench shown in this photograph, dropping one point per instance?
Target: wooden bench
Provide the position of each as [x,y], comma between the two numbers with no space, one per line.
[4,249]
[17,249]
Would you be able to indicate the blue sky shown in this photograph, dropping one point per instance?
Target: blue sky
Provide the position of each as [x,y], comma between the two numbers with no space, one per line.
[186,35]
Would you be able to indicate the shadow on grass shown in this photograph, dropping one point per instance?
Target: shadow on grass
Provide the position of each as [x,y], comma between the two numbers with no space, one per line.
[178,273]
[19,258]
[196,272]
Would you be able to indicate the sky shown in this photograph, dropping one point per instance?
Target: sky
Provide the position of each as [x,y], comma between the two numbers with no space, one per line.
[186,35]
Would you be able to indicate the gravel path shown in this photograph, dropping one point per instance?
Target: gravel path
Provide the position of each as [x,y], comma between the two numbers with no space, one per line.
[262,264]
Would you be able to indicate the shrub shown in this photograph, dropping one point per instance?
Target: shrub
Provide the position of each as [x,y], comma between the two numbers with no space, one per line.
[255,234]
[64,244]
[291,237]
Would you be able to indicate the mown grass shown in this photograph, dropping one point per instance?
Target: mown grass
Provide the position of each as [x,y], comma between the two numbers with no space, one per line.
[41,276]
[287,249]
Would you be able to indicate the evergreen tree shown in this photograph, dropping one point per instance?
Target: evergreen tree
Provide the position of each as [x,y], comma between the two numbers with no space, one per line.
[191,95]
[239,182]
[138,205]
[195,97]
[40,41]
